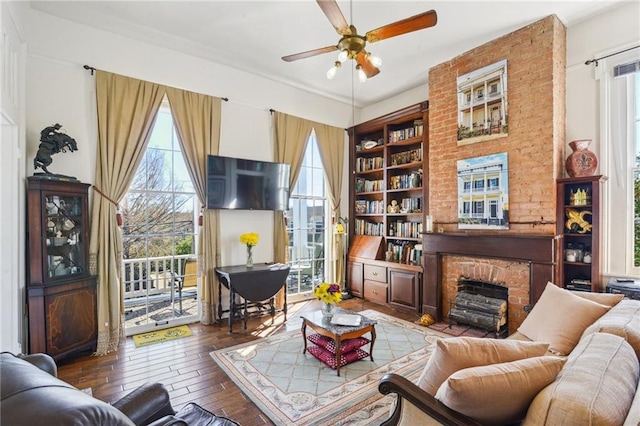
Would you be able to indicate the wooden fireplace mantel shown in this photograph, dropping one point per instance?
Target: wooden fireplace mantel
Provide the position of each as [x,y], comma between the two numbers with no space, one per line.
[537,250]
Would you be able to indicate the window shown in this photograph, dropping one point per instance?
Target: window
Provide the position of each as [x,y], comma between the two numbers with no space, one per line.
[159,235]
[307,225]
[478,208]
[478,184]
[620,88]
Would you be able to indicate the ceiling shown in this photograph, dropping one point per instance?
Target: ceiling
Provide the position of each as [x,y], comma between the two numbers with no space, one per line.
[254,35]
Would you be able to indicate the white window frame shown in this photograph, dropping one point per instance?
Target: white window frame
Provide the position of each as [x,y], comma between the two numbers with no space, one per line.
[327,225]
[617,124]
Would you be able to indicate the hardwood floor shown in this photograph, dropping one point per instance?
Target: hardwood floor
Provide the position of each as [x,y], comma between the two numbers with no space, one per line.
[185,367]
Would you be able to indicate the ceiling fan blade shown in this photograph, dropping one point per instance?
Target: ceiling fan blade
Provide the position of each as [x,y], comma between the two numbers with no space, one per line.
[414,23]
[309,53]
[334,14]
[369,69]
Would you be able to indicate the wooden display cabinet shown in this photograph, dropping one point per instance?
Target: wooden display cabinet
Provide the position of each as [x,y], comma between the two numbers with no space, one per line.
[578,225]
[388,199]
[60,291]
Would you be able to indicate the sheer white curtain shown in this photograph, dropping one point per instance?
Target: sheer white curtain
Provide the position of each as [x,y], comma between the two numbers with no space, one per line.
[617,156]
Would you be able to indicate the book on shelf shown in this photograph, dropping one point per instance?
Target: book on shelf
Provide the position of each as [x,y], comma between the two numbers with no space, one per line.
[361,206]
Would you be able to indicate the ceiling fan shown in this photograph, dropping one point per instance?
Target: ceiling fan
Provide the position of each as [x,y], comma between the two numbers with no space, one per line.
[352,45]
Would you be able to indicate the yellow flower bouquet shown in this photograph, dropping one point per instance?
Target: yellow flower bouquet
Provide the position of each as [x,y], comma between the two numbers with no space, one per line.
[250,239]
[328,293]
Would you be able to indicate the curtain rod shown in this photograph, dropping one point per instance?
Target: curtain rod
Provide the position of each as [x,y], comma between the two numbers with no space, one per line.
[590,61]
[92,69]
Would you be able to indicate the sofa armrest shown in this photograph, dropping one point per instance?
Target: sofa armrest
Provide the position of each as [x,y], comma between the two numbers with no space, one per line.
[407,390]
[146,404]
[43,361]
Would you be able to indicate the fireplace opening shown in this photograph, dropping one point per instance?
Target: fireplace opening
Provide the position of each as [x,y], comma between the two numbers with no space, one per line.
[481,304]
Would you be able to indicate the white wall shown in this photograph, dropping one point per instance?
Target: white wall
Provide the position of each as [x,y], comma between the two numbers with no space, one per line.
[12,170]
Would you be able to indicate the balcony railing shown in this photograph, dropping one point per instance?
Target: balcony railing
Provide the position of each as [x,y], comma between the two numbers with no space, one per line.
[158,278]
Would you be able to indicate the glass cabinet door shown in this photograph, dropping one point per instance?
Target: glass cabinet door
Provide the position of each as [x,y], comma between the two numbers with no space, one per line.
[64,235]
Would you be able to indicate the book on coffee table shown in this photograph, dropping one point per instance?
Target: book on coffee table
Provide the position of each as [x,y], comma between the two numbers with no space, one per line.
[346,319]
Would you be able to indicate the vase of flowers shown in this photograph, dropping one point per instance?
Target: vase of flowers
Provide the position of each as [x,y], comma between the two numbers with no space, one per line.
[330,295]
[250,239]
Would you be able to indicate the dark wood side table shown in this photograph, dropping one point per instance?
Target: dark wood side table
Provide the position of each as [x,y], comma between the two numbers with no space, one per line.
[338,333]
[255,285]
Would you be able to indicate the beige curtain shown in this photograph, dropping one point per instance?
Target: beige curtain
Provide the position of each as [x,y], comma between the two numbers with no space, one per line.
[291,135]
[197,120]
[331,141]
[127,110]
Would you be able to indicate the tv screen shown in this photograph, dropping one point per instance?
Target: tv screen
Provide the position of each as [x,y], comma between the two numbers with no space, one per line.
[236,183]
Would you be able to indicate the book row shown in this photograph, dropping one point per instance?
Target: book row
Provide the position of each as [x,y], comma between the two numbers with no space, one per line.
[407,133]
[405,229]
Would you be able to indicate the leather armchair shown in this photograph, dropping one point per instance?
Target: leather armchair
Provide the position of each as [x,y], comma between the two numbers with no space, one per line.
[31,394]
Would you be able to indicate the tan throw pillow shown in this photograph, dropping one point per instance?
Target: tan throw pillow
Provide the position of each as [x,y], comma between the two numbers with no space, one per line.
[499,393]
[451,355]
[608,299]
[559,318]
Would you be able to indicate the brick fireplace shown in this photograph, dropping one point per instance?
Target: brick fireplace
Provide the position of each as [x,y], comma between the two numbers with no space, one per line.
[514,275]
[523,263]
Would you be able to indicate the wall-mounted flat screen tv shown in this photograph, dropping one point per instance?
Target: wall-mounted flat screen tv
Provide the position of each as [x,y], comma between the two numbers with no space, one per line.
[236,183]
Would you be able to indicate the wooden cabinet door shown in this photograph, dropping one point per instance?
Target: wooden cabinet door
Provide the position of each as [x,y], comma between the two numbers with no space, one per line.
[404,289]
[71,320]
[355,278]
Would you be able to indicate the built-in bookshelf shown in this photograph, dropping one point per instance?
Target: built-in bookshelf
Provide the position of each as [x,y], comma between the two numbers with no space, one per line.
[387,199]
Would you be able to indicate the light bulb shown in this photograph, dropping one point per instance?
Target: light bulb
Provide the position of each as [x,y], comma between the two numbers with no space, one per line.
[361,75]
[342,56]
[332,71]
[375,61]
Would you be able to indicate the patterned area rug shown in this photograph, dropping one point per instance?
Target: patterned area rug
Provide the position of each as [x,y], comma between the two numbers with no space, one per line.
[296,389]
[159,336]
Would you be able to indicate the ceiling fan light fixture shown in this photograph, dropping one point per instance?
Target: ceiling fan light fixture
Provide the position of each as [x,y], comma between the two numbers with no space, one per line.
[375,60]
[332,71]
[343,55]
[361,74]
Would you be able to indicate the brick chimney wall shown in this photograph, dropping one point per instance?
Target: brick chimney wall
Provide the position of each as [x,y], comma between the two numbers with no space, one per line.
[536,102]
[536,57]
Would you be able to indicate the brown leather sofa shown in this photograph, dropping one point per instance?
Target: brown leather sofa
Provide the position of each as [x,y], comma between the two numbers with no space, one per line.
[31,394]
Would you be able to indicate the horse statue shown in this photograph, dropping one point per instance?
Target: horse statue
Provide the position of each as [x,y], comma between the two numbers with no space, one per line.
[52,141]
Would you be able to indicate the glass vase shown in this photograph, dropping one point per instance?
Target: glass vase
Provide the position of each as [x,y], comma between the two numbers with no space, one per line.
[328,309]
[249,257]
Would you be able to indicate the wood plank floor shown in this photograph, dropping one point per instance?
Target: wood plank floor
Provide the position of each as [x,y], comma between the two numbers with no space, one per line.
[185,367]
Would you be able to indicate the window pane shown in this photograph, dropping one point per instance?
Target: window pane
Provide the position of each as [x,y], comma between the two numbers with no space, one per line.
[306,224]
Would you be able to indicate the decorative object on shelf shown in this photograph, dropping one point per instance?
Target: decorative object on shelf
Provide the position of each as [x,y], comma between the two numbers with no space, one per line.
[369,144]
[429,223]
[576,221]
[52,141]
[579,198]
[250,239]
[393,207]
[581,162]
[329,295]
